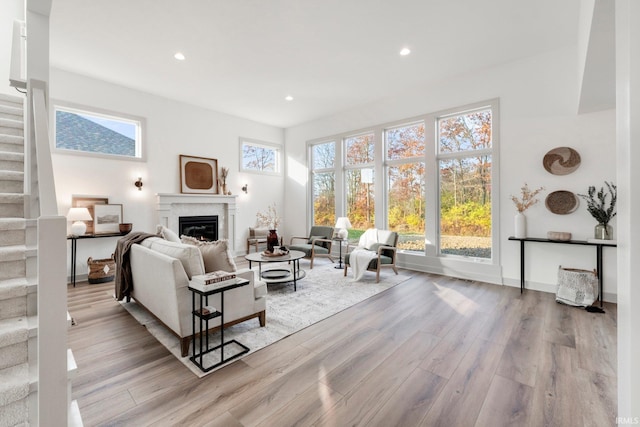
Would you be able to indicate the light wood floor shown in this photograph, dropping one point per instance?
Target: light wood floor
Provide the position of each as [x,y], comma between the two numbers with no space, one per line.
[432,351]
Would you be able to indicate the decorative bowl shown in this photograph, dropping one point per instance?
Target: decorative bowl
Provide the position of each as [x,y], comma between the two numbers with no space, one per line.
[125,227]
[558,235]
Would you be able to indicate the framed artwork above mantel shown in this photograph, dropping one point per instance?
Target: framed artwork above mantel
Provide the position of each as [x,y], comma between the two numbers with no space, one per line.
[198,175]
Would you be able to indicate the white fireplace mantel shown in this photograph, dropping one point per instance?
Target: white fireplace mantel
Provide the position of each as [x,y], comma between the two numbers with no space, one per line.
[171,207]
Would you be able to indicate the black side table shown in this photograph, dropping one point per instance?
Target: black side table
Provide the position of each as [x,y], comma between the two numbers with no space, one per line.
[339,240]
[197,356]
[74,245]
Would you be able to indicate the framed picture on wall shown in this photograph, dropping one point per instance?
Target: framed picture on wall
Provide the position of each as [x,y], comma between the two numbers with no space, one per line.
[198,175]
[107,218]
[88,202]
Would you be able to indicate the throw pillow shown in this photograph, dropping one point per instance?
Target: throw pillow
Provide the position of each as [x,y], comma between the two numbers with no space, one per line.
[216,255]
[167,234]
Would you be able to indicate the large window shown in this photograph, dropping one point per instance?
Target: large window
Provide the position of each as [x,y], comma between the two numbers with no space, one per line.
[464,162]
[258,156]
[429,178]
[406,184]
[359,181]
[323,158]
[90,131]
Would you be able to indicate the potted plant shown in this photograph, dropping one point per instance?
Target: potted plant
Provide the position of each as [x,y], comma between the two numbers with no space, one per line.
[525,201]
[601,209]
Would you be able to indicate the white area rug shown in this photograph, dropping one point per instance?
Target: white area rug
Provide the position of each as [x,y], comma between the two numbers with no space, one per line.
[323,292]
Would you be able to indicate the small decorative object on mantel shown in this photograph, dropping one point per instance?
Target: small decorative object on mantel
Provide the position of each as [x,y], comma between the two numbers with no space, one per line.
[270,219]
[597,207]
[224,172]
[526,200]
[561,161]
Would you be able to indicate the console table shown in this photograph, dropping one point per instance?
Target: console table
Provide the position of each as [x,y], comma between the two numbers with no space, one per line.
[74,244]
[599,245]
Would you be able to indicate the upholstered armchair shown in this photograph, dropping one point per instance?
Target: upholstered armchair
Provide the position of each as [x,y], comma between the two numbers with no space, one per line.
[376,249]
[317,244]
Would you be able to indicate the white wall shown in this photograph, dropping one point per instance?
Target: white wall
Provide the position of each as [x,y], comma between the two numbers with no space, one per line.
[537,105]
[9,10]
[172,128]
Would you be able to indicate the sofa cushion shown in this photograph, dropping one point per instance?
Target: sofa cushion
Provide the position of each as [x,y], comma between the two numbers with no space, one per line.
[306,248]
[167,234]
[215,255]
[188,255]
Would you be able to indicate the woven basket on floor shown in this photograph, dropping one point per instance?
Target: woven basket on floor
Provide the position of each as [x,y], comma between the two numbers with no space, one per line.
[577,287]
[101,270]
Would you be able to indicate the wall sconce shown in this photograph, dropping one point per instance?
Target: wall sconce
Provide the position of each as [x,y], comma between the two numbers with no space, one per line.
[246,189]
[138,183]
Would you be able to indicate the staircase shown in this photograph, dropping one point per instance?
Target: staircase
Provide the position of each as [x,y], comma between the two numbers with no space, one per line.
[18,280]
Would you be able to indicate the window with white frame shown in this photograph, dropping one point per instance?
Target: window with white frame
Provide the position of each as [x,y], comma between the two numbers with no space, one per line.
[359,180]
[464,165]
[438,171]
[405,171]
[323,175]
[259,156]
[90,131]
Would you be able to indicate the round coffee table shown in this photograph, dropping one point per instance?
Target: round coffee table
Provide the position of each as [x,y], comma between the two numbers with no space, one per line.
[278,275]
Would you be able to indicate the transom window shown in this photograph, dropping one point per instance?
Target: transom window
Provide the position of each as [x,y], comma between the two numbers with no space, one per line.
[258,156]
[97,132]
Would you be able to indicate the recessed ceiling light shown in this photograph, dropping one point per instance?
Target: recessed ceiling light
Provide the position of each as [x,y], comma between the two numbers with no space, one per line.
[405,51]
[179,56]
[288,98]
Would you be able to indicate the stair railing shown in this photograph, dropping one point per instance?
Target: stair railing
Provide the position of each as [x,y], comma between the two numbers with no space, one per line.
[53,399]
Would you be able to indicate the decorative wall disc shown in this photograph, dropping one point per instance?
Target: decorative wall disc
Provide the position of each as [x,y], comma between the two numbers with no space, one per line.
[561,161]
[562,202]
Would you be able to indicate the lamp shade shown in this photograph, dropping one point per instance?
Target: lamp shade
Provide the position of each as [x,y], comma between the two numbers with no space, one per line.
[78,215]
[342,224]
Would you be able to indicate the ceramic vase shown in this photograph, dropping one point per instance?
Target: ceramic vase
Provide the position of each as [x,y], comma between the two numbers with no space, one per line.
[520,226]
[272,240]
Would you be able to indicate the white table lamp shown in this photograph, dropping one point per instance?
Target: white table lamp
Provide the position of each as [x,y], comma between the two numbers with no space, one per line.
[78,215]
[343,224]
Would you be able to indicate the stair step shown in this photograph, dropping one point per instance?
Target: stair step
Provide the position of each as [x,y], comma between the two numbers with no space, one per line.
[13,253]
[11,111]
[12,231]
[11,123]
[14,288]
[14,384]
[11,161]
[11,131]
[11,205]
[11,270]
[6,175]
[14,330]
[11,100]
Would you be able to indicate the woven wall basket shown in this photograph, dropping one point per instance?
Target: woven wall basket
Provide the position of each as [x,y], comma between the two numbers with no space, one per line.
[101,270]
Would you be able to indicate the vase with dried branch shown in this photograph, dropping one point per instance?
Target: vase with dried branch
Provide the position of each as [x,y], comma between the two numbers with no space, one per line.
[525,201]
[224,172]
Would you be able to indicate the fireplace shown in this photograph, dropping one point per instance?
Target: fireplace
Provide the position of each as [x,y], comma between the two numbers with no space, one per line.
[203,227]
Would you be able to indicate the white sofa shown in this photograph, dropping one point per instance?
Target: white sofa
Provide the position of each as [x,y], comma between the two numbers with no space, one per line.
[161,271]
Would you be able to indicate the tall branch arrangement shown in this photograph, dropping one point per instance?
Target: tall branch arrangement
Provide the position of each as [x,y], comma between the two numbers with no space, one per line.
[269,218]
[597,202]
[527,198]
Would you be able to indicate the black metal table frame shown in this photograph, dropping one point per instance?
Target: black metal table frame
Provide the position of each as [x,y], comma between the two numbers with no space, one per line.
[598,246]
[74,249]
[296,267]
[197,357]
[339,240]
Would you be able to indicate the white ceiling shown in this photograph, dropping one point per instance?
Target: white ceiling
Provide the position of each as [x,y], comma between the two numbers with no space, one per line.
[245,56]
